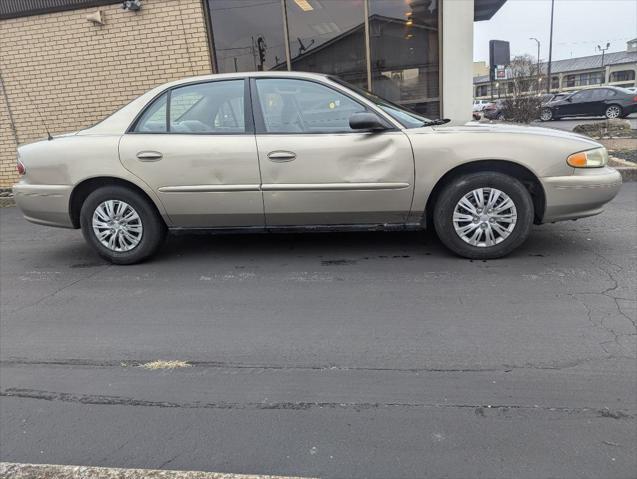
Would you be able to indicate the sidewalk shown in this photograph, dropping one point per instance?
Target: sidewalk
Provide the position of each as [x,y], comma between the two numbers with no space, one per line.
[48,471]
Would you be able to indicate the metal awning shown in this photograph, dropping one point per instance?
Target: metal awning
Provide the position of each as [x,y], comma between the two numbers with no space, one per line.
[485,9]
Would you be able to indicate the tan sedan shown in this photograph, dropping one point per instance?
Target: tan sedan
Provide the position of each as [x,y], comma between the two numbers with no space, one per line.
[279,151]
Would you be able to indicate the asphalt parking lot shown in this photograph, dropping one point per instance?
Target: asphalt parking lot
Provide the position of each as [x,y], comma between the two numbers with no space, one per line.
[341,355]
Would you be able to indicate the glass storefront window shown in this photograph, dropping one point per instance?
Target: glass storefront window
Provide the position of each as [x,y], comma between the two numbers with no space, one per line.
[248,35]
[328,36]
[404,53]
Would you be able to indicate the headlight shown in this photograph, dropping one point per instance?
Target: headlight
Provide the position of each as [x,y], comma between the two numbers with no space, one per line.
[589,159]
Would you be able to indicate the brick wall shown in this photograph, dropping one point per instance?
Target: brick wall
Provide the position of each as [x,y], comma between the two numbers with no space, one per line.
[78,72]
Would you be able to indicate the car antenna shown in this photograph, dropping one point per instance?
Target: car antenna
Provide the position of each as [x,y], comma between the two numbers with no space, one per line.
[46,128]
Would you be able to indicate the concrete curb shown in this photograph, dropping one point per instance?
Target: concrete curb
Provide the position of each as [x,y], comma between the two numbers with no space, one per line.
[6,197]
[49,471]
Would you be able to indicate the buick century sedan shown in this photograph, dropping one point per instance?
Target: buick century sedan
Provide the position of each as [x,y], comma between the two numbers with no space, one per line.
[289,151]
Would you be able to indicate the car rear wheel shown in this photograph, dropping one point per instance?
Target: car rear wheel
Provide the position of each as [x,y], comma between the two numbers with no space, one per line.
[121,225]
[546,114]
[613,111]
[483,215]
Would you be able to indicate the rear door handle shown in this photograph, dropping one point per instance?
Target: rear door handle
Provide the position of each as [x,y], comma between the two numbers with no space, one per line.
[149,156]
[281,156]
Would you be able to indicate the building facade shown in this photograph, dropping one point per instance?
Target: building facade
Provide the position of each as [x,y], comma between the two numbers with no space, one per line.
[65,64]
[614,69]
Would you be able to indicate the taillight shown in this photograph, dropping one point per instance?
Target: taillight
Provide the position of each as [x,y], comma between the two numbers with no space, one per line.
[20,167]
[635,99]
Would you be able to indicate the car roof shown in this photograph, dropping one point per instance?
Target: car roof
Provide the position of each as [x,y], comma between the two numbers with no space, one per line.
[253,74]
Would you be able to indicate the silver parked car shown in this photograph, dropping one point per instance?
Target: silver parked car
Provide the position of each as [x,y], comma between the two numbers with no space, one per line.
[278,151]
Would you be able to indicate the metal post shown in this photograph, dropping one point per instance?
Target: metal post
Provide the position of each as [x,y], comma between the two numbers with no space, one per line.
[368,52]
[549,80]
[539,88]
[603,50]
[286,35]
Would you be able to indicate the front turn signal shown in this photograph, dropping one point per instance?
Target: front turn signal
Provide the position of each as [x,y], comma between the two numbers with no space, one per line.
[589,159]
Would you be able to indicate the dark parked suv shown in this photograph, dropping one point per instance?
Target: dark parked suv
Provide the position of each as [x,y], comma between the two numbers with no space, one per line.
[611,102]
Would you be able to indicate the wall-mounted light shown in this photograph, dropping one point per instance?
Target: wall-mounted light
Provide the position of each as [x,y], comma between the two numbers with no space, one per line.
[132,5]
[96,18]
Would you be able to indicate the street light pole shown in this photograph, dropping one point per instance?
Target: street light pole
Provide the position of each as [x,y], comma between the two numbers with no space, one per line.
[538,63]
[603,50]
[549,80]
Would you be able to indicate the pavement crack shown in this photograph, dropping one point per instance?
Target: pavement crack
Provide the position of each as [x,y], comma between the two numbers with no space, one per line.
[479,409]
[134,363]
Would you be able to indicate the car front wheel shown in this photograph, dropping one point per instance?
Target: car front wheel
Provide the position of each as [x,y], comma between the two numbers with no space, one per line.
[121,225]
[613,111]
[483,215]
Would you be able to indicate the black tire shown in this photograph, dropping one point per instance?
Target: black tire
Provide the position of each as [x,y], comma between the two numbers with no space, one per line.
[546,115]
[154,228]
[458,188]
[614,108]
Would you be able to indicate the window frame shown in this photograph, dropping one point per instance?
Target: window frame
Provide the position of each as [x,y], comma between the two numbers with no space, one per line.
[259,121]
[249,127]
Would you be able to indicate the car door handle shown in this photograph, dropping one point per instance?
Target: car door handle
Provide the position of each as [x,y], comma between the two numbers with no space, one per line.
[149,156]
[281,156]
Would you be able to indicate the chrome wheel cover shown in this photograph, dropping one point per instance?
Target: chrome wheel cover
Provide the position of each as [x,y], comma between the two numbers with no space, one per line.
[613,112]
[484,217]
[117,226]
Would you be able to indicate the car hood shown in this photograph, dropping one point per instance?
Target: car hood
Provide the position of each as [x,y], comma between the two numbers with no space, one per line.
[514,129]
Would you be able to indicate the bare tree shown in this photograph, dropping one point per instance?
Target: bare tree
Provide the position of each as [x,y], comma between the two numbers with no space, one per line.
[524,88]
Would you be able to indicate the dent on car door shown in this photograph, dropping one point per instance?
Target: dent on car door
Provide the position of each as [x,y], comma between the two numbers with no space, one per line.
[315,169]
[195,147]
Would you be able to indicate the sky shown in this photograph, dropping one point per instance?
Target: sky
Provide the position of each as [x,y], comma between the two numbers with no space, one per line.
[578,27]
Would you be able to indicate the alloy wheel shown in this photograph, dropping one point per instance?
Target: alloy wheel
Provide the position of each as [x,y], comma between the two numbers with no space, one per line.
[484,217]
[117,225]
[613,111]
[546,115]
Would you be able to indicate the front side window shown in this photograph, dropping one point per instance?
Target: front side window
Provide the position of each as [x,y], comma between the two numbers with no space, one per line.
[582,97]
[299,106]
[214,108]
[406,117]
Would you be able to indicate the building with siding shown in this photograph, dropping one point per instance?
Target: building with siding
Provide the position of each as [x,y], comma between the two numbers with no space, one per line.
[68,63]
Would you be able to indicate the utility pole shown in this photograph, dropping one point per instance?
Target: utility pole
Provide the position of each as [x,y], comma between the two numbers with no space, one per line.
[539,73]
[603,50]
[549,79]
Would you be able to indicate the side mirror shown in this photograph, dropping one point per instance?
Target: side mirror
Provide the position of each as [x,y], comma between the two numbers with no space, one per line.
[366,121]
[569,99]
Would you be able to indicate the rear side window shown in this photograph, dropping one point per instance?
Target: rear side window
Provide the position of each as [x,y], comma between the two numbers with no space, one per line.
[204,108]
[154,118]
[299,106]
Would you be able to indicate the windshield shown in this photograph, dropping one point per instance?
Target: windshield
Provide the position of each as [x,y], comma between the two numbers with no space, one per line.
[407,118]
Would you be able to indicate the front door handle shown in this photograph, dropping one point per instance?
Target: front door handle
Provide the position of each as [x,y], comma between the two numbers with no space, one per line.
[149,156]
[281,156]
